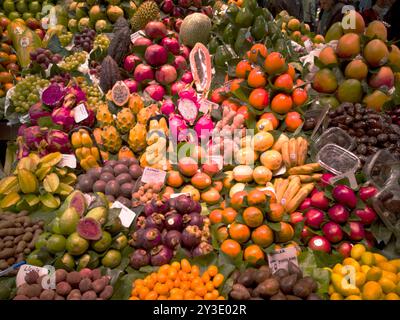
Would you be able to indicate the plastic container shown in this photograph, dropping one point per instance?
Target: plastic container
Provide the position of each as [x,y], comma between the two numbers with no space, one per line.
[387,205]
[319,114]
[335,136]
[382,168]
[340,162]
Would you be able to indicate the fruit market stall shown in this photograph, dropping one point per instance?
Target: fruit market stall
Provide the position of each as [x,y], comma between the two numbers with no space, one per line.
[195,149]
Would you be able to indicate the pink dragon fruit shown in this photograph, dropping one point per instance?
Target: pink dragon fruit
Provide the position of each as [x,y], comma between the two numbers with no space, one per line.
[33,136]
[58,141]
[53,95]
[89,121]
[177,127]
[204,127]
[36,112]
[21,130]
[80,96]
[167,107]
[177,87]
[63,117]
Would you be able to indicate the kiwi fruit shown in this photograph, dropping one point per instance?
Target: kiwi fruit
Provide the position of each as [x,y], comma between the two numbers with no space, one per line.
[99,186]
[312,283]
[107,176]
[135,171]
[313,296]
[123,178]
[281,273]
[262,275]
[247,277]
[293,269]
[120,168]
[278,296]
[268,288]
[112,188]
[291,297]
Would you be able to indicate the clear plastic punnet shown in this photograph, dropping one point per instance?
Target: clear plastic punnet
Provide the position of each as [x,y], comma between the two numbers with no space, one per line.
[340,162]
[335,136]
[387,205]
[382,168]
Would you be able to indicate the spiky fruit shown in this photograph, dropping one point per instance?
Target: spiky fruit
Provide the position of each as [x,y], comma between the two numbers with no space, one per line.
[147,11]
[104,117]
[125,120]
[111,139]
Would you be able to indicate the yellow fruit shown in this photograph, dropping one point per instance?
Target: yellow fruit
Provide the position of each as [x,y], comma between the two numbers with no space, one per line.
[392,296]
[343,286]
[351,262]
[353,297]
[337,268]
[357,251]
[387,285]
[387,266]
[331,289]
[374,274]
[368,258]
[372,291]
[396,263]
[365,268]
[389,275]
[379,258]
[360,279]
[398,277]
[398,288]
[336,296]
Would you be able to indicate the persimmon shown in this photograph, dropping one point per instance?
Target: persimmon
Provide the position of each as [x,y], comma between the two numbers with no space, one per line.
[174,179]
[253,217]
[256,197]
[274,63]
[215,216]
[237,199]
[276,212]
[293,121]
[217,96]
[257,50]
[231,248]
[270,116]
[291,71]
[235,84]
[239,232]
[284,81]
[253,254]
[299,96]
[259,98]
[282,103]
[256,78]
[242,69]
[285,234]
[263,236]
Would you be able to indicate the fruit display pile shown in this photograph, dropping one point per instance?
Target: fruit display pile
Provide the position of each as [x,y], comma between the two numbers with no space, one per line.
[196,150]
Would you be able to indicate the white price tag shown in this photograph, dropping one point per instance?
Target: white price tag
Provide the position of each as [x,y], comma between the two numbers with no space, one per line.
[176,195]
[136,35]
[80,113]
[68,160]
[151,175]
[25,269]
[126,215]
[280,259]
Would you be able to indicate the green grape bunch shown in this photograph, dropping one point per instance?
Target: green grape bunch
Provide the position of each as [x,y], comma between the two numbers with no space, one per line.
[66,38]
[101,41]
[73,61]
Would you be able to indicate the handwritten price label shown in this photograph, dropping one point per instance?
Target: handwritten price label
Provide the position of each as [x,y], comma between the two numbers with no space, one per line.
[151,175]
[280,259]
[80,113]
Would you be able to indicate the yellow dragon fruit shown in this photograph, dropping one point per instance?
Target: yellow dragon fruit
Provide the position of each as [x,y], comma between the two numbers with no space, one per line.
[137,137]
[104,117]
[125,120]
[112,141]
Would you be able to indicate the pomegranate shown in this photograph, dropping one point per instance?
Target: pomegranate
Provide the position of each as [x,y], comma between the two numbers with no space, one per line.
[142,42]
[168,6]
[314,218]
[155,91]
[344,249]
[166,74]
[155,30]
[319,200]
[177,87]
[171,44]
[338,213]
[180,63]
[344,195]
[305,204]
[185,3]
[326,177]
[143,73]
[367,215]
[367,193]
[130,62]
[177,12]
[319,243]
[332,232]
[156,55]
[185,51]
[132,85]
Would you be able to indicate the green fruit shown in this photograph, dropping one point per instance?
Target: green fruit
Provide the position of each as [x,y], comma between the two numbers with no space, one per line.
[14,15]
[66,262]
[4,292]
[244,18]
[232,11]
[114,12]
[99,214]
[34,259]
[334,32]
[221,56]
[42,240]
[80,13]
[230,33]
[56,243]
[76,245]
[350,90]
[213,45]
[242,44]
[35,7]
[329,100]
[111,259]
[120,242]
[27,15]
[103,243]
[21,6]
[259,28]
[8,6]
[68,221]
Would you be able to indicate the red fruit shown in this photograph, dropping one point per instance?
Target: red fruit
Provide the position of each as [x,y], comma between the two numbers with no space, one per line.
[306,234]
[187,77]
[166,74]
[130,62]
[155,91]
[305,204]
[180,63]
[211,168]
[296,217]
[168,6]
[344,249]
[40,33]
[367,216]
[332,232]
[132,85]
[217,95]
[142,42]
[344,195]
[338,213]
[367,193]
[156,55]
[326,177]
[155,30]
[171,44]
[319,243]
[185,3]
[143,73]
[177,87]
[319,200]
[185,51]
[314,218]
[357,232]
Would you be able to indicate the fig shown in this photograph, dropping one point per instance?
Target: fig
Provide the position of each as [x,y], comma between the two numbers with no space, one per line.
[94,173]
[125,201]
[89,229]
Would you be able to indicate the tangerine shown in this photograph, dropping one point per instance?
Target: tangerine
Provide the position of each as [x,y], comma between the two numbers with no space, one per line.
[253,254]
[276,212]
[285,234]
[274,63]
[293,121]
[270,116]
[222,234]
[282,103]
[259,98]
[215,216]
[242,69]
[256,78]
[229,215]
[263,236]
[239,232]
[217,95]
[253,217]
[256,50]
[237,199]
[299,96]
[256,197]
[231,248]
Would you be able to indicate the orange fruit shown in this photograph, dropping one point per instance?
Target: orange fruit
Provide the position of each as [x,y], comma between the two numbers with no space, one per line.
[239,232]
[231,248]
[13,58]
[174,179]
[285,234]
[222,234]
[256,197]
[4,58]
[282,103]
[299,96]
[243,110]
[294,24]
[257,50]
[235,84]
[271,117]
[253,254]
[259,98]
[6,48]
[291,71]
[8,86]
[256,78]
[218,185]
[217,95]
[284,81]
[274,63]
[263,236]
[215,216]
[293,121]
[242,69]
[229,215]
[253,217]
[230,104]
[237,199]
[276,212]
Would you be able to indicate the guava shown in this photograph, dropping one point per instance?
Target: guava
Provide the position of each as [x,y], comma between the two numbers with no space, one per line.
[76,245]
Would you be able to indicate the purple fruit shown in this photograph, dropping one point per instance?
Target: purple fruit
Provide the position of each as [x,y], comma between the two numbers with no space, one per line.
[155,220]
[139,258]
[58,141]
[36,112]
[160,255]
[168,6]
[151,238]
[202,249]
[148,209]
[195,207]
[183,204]
[172,238]
[338,213]
[191,236]
[193,219]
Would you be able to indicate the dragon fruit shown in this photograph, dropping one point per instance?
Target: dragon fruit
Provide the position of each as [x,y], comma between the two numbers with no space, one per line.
[23,150]
[204,127]
[33,136]
[36,112]
[58,141]
[21,130]
[63,117]
[167,107]
[177,127]
[53,95]
[79,94]
[188,109]
[89,121]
